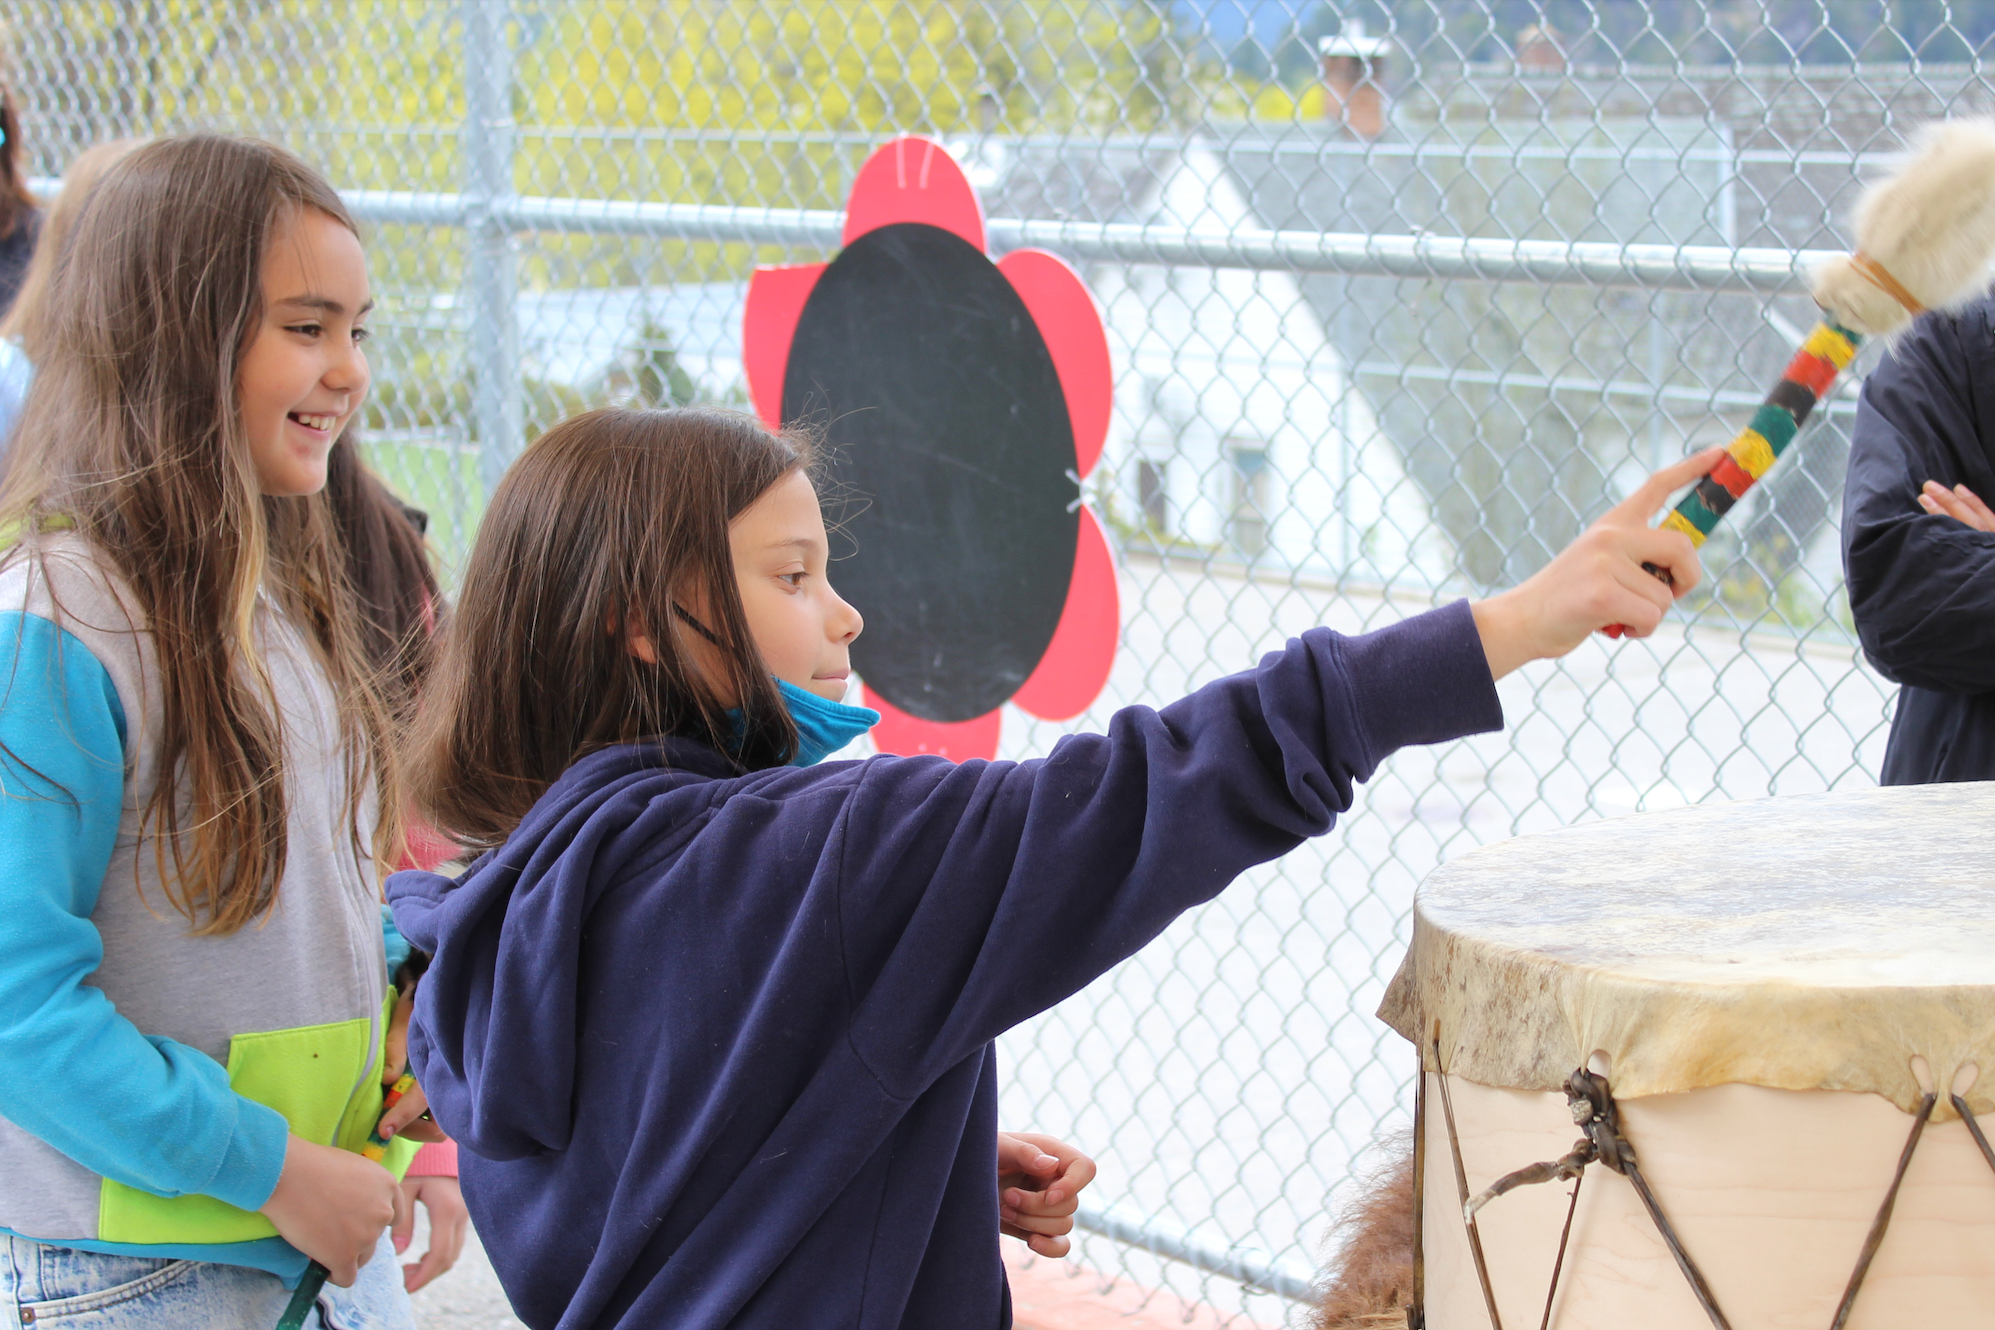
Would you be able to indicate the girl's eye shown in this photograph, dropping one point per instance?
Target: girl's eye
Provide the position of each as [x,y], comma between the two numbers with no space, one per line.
[308,329]
[360,335]
[796,580]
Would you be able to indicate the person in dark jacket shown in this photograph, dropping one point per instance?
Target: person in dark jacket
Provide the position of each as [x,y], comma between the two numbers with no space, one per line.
[714,1026]
[1921,575]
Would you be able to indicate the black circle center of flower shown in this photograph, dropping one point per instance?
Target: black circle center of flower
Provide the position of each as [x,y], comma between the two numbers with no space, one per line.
[950,442]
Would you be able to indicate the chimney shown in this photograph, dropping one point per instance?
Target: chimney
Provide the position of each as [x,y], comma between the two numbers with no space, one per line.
[1539,51]
[1353,71]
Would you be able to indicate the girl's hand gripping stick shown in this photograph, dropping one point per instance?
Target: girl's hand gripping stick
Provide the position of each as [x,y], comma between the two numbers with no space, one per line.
[313,1282]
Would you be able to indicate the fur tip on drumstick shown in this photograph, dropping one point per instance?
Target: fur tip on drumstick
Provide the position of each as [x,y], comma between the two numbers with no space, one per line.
[1925,234]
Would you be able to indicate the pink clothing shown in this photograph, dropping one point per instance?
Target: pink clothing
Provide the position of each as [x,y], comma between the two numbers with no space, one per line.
[435,1161]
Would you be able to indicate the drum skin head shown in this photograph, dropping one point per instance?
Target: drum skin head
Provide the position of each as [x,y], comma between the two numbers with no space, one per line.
[1799,943]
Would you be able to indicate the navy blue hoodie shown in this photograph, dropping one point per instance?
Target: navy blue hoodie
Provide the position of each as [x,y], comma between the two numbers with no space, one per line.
[718,1047]
[1922,587]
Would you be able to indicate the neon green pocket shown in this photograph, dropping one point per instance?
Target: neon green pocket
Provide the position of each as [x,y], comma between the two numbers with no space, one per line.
[309,1075]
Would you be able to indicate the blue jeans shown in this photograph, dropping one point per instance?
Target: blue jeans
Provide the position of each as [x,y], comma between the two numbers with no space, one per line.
[43,1287]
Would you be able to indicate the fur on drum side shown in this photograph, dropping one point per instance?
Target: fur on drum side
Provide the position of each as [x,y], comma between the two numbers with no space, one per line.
[1370,1279]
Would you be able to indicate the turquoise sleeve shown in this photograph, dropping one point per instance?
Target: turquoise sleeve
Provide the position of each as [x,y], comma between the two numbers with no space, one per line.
[393,944]
[151,1113]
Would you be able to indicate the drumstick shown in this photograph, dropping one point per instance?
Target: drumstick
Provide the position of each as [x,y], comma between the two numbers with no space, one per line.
[377,1147]
[1925,235]
[309,1286]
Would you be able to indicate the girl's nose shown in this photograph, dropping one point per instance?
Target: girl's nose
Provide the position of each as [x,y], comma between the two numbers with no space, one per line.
[348,371]
[849,619]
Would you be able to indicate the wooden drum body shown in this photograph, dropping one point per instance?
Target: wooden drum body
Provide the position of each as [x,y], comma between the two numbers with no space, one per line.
[1769,991]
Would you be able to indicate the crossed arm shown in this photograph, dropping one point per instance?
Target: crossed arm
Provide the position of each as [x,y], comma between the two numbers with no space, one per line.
[1960,503]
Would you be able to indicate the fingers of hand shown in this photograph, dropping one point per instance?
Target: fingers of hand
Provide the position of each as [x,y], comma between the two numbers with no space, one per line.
[1670,551]
[407,1109]
[1018,1154]
[423,1130]
[1048,1246]
[448,1223]
[1639,601]
[1940,501]
[1960,503]
[1980,509]
[1080,1171]
[1639,507]
[397,1059]
[405,1209]
[404,1227]
[425,1270]
[1027,1222]
[1055,1202]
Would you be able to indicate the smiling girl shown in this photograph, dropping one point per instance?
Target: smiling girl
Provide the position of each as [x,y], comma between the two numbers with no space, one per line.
[198,768]
[716,1024]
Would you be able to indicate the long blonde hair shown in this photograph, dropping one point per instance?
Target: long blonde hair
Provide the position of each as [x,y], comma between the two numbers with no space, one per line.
[132,436]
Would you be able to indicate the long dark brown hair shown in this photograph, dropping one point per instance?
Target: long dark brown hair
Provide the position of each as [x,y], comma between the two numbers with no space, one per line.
[388,568]
[132,436]
[606,525]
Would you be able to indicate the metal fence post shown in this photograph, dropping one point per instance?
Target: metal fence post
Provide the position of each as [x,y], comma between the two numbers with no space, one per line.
[488,188]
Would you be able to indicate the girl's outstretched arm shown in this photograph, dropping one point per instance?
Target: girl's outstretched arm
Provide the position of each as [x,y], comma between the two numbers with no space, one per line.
[973,897]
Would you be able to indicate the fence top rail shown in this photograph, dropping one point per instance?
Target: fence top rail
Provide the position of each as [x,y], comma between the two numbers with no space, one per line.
[1489,259]
[1419,255]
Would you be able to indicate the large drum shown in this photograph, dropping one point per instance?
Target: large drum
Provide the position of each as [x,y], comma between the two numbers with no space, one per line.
[1716,1066]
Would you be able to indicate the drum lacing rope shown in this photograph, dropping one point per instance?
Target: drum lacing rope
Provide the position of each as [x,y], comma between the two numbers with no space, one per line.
[1462,1188]
[1883,1220]
[1596,1114]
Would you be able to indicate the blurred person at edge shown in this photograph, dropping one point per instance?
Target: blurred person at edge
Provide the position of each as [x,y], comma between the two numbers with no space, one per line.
[20,224]
[20,218]
[24,326]
[1919,543]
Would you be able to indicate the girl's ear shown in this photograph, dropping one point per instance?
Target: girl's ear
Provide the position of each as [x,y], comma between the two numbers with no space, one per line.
[636,641]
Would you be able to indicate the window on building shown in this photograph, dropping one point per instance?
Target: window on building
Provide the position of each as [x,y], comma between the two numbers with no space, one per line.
[1252,500]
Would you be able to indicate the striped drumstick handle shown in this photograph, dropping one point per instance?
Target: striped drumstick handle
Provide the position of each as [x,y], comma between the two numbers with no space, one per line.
[376,1147]
[1825,353]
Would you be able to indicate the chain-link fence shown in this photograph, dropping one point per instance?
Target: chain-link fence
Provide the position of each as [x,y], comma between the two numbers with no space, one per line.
[1400,293]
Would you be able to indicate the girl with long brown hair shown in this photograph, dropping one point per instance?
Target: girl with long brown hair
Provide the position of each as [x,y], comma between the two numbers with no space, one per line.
[201,769]
[715,1025]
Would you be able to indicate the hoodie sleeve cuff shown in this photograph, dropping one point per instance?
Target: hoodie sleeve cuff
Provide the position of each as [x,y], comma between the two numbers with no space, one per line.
[254,1159]
[1423,680]
[438,1159]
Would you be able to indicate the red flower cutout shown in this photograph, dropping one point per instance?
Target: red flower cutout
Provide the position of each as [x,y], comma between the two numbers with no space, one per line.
[961,403]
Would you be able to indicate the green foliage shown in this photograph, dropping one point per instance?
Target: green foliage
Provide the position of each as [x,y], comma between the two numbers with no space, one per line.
[657,378]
